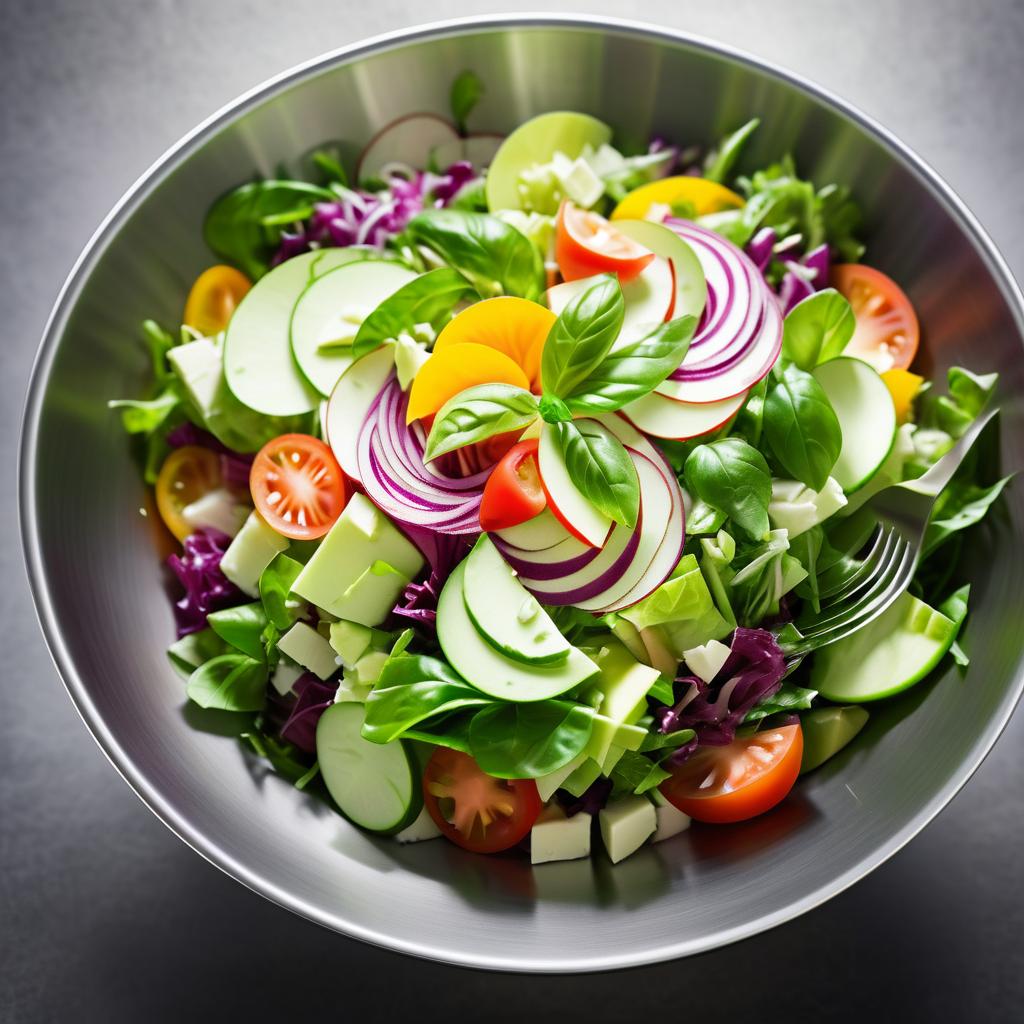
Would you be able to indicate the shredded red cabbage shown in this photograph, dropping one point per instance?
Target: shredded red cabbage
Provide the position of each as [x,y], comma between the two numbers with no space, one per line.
[753,671]
[313,698]
[198,571]
[804,275]
[592,800]
[443,552]
[373,218]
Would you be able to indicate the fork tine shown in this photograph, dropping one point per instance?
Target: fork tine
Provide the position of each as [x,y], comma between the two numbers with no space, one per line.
[886,587]
[877,556]
[837,586]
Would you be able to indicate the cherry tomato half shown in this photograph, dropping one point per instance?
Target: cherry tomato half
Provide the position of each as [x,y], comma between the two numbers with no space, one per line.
[586,244]
[739,781]
[887,333]
[187,474]
[298,486]
[474,810]
[215,294]
[513,492]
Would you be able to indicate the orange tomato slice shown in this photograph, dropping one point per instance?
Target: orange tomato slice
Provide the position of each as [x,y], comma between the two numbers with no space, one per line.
[455,368]
[214,297]
[187,474]
[903,386]
[515,327]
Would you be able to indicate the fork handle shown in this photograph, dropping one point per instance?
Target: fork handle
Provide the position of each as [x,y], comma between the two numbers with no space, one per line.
[932,482]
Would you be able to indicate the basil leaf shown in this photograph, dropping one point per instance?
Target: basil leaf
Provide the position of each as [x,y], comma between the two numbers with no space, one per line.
[526,741]
[445,731]
[427,299]
[582,336]
[750,419]
[733,477]
[244,226]
[241,627]
[634,773]
[601,469]
[788,698]
[720,160]
[492,255]
[553,410]
[275,587]
[704,520]
[961,504]
[229,682]
[817,329]
[465,95]
[634,369]
[801,427]
[478,413]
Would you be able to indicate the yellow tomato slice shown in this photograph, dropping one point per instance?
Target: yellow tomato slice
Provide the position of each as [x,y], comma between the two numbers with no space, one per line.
[214,296]
[515,327]
[455,368]
[903,386]
[187,474]
[705,197]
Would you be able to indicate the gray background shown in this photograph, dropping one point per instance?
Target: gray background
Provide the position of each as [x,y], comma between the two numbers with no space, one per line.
[104,915]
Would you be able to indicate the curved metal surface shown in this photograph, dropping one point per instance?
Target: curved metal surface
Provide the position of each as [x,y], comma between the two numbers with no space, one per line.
[99,587]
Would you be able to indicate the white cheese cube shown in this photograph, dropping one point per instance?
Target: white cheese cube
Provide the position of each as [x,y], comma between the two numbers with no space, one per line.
[285,675]
[217,509]
[255,546]
[556,837]
[706,661]
[201,369]
[671,820]
[626,825]
[305,645]
[580,183]
[797,508]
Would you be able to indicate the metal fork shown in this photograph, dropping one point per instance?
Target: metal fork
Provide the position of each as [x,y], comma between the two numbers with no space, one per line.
[903,511]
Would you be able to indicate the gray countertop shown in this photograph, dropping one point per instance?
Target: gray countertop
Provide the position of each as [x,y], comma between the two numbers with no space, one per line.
[104,914]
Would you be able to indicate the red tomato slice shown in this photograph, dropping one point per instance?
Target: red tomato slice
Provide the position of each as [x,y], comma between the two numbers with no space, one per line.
[887,333]
[587,244]
[739,781]
[513,492]
[298,486]
[475,810]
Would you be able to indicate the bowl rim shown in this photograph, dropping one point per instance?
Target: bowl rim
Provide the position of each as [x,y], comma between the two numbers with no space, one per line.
[78,691]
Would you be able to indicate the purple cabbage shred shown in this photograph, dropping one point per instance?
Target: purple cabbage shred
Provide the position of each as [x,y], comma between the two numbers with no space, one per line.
[198,571]
[418,603]
[313,698]
[373,218]
[593,799]
[753,671]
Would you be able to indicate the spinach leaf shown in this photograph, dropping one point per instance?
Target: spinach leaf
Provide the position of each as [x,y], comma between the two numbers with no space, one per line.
[801,427]
[704,520]
[275,592]
[720,160]
[491,255]
[242,627]
[193,649]
[733,477]
[445,731]
[666,740]
[789,697]
[429,298]
[962,504]
[750,419]
[393,710]
[634,773]
[526,741]
[465,95]
[229,682]
[582,336]
[969,393]
[600,468]
[634,369]
[245,225]
[285,758]
[817,329]
[478,413]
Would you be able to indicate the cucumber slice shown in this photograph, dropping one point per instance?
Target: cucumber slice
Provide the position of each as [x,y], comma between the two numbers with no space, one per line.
[866,415]
[376,786]
[490,672]
[258,362]
[691,288]
[536,142]
[332,307]
[826,731]
[887,656]
[505,614]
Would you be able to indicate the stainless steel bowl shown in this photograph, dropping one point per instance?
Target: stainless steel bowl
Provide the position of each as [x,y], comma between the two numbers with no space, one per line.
[99,586]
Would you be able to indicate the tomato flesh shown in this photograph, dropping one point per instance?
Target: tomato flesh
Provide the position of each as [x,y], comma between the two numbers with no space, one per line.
[298,486]
[739,781]
[215,295]
[887,332]
[474,810]
[513,492]
[188,473]
[587,244]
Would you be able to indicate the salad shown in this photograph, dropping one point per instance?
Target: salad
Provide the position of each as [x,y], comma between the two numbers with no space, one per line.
[504,470]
